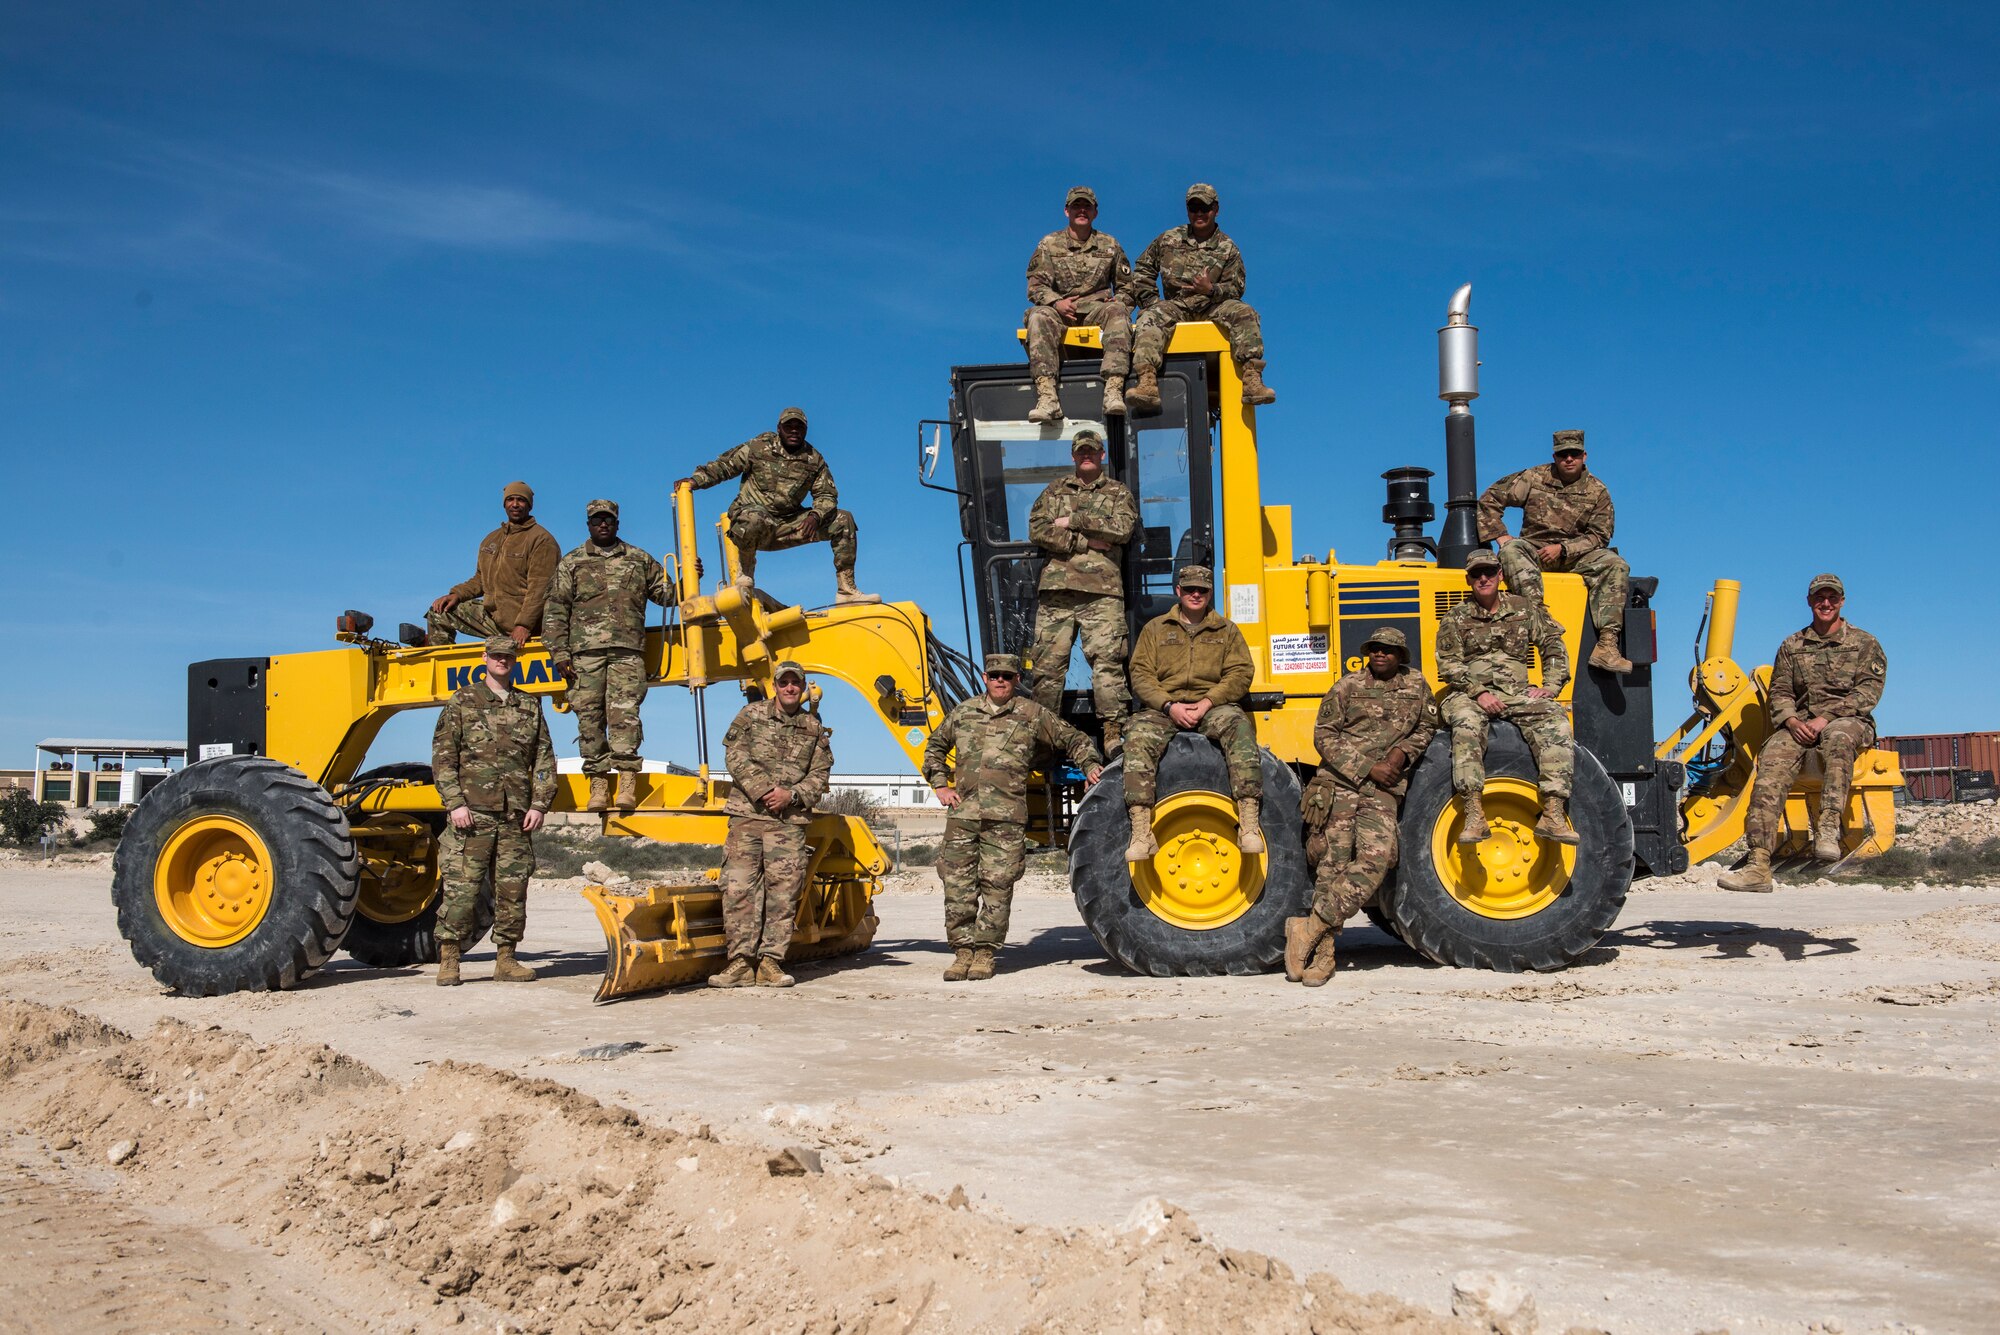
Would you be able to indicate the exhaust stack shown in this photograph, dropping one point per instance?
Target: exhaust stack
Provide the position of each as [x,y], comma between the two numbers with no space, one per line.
[1458,385]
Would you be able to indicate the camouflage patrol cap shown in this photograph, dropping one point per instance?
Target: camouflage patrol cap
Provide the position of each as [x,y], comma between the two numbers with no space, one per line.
[1087,439]
[1004,663]
[1389,638]
[520,489]
[600,508]
[1203,191]
[1568,440]
[1481,559]
[794,414]
[1826,581]
[502,646]
[1082,192]
[787,668]
[1195,577]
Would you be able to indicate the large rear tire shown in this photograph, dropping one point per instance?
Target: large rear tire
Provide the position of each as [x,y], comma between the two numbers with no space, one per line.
[1515,901]
[236,874]
[382,938]
[1139,937]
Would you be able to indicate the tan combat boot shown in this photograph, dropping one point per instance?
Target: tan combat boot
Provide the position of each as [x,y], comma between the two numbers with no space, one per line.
[628,790]
[771,974]
[600,793]
[1320,967]
[1143,845]
[961,961]
[982,964]
[1606,655]
[845,592]
[1554,823]
[1475,830]
[1144,397]
[1301,937]
[1048,408]
[1114,396]
[448,964]
[507,969]
[1249,826]
[1114,737]
[1826,838]
[1254,388]
[746,570]
[741,972]
[1753,877]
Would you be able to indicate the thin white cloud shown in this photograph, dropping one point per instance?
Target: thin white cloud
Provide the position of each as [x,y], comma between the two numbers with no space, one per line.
[447,213]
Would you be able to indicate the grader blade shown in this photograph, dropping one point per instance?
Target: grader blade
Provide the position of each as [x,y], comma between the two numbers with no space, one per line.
[663,936]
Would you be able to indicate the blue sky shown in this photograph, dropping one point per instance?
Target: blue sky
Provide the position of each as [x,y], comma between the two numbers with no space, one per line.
[287,293]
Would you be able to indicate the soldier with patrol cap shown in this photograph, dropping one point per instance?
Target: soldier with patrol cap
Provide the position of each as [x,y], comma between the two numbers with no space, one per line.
[1372,727]
[595,630]
[1566,525]
[978,762]
[1482,658]
[1825,685]
[496,777]
[509,579]
[1193,272]
[780,759]
[1073,279]
[779,470]
[1189,669]
[1082,523]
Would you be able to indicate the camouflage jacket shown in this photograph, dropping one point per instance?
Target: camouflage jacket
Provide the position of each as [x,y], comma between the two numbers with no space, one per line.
[1362,719]
[598,598]
[1062,268]
[775,481]
[1102,509]
[1176,259]
[1479,650]
[1175,663]
[996,746]
[512,574]
[767,748]
[1828,676]
[492,753]
[1575,514]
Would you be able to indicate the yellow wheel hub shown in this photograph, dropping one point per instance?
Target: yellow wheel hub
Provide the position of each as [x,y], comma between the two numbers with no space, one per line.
[399,868]
[213,881]
[1199,879]
[1511,873]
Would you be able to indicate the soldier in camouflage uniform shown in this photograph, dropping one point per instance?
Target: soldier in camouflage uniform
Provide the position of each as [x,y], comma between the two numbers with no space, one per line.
[1189,669]
[1482,658]
[496,776]
[509,579]
[1073,279]
[1566,523]
[1372,727]
[595,630]
[780,759]
[1824,688]
[1083,523]
[1200,272]
[984,785]
[779,469]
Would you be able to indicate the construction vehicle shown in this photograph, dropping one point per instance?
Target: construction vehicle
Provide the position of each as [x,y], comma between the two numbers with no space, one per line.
[250,868]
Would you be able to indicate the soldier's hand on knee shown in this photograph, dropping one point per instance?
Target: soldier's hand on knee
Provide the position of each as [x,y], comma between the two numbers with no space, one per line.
[531,820]
[461,817]
[1490,702]
[1800,730]
[809,526]
[1549,553]
[1183,715]
[1540,693]
[444,603]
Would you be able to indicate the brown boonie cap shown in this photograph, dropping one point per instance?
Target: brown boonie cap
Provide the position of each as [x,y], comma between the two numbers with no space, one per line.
[1479,559]
[1389,638]
[1203,191]
[1195,577]
[1826,581]
[1082,192]
[520,489]
[502,646]
[793,414]
[1568,440]
[787,668]
[601,507]
[1004,663]
[1087,439]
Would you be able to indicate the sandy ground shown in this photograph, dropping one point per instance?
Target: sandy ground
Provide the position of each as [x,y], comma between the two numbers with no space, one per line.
[1741,1112]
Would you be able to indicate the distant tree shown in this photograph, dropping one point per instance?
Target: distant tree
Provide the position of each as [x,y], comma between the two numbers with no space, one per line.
[856,802]
[23,820]
[109,823]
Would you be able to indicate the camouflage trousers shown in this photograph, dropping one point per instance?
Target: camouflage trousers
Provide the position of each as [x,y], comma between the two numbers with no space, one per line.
[469,617]
[1235,319]
[1062,616]
[1148,731]
[609,685]
[761,531]
[1351,840]
[1839,745]
[763,875]
[1605,574]
[1542,723]
[1045,324]
[979,863]
[495,846]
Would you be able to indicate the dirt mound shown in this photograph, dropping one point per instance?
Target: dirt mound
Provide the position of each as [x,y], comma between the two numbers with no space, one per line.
[526,1203]
[1923,827]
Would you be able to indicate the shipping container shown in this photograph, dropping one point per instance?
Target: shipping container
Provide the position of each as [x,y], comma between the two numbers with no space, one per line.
[1947,766]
